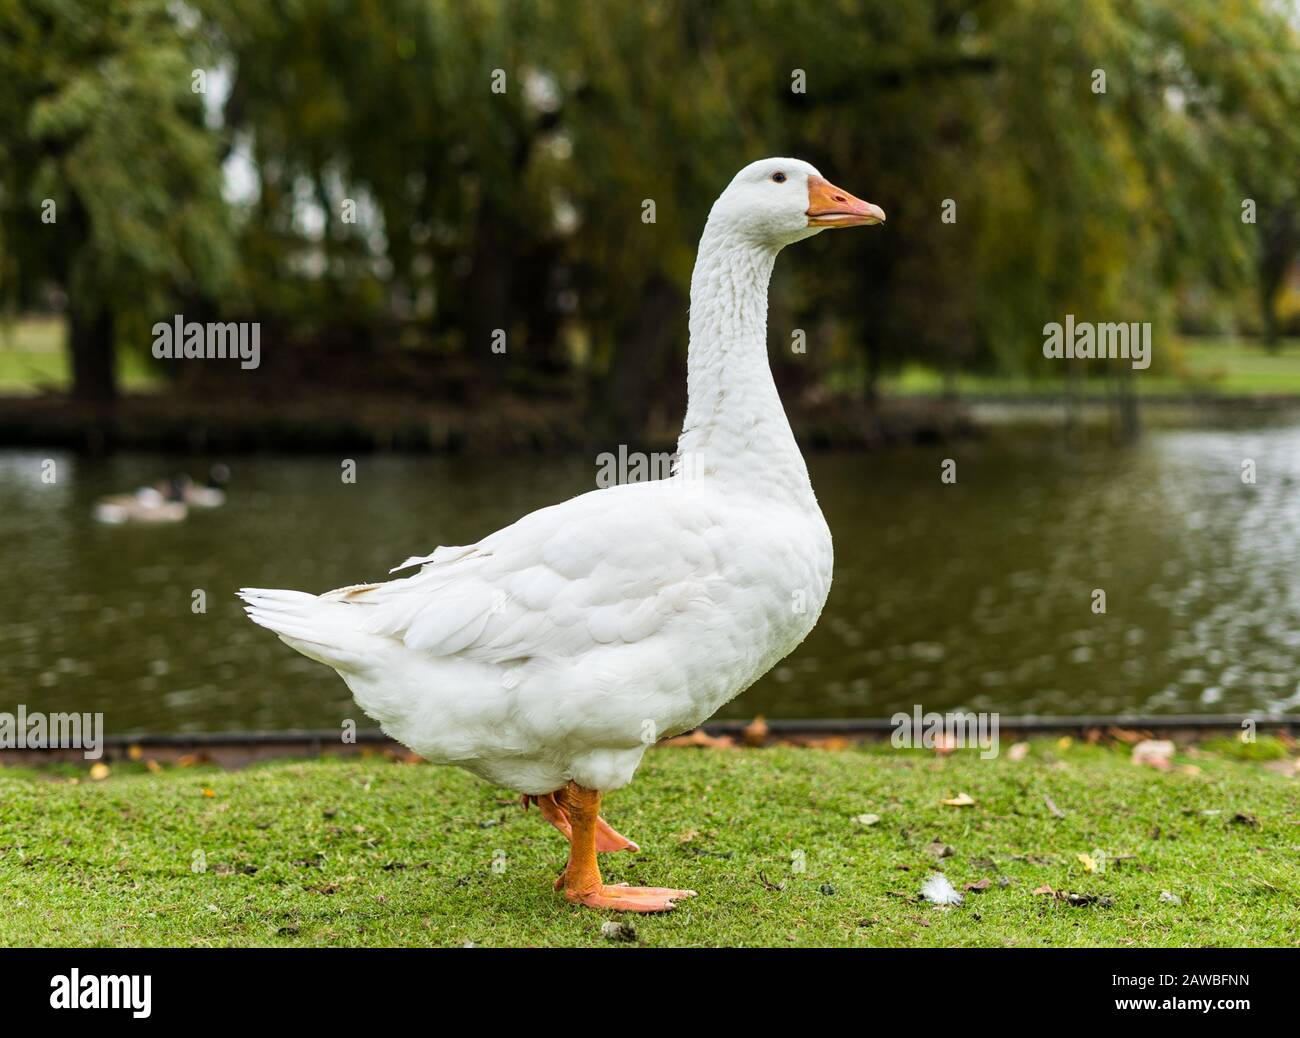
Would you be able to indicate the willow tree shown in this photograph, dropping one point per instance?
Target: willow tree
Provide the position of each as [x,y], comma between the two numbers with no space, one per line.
[545,168]
[110,187]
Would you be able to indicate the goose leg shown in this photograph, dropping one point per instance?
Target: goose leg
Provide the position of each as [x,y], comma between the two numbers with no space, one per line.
[581,881]
[607,837]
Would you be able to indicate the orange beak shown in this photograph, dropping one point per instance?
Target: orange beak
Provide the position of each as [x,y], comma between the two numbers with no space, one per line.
[830,206]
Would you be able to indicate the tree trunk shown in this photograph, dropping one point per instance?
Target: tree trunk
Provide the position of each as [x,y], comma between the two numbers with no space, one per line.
[635,382]
[487,294]
[875,362]
[1280,241]
[1128,418]
[91,347]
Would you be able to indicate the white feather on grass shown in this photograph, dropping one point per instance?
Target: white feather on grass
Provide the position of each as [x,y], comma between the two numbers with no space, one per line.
[938,890]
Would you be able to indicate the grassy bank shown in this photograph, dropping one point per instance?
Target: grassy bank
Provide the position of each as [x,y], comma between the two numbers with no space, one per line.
[376,852]
[1227,366]
[33,358]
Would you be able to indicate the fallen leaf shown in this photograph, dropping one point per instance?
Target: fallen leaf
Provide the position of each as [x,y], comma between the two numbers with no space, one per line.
[134,752]
[1154,753]
[1082,900]
[703,739]
[153,766]
[99,771]
[1077,900]
[867,819]
[980,885]
[1089,862]
[1018,752]
[208,792]
[938,849]
[762,878]
[755,733]
[1169,898]
[613,931]
[961,800]
[1064,742]
[1051,806]
[827,742]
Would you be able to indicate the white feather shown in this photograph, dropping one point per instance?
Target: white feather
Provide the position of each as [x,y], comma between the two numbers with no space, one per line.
[938,890]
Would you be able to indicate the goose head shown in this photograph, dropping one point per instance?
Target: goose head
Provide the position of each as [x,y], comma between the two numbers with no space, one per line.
[776,202]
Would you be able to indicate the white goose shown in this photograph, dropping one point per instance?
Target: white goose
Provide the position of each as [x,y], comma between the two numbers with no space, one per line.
[550,655]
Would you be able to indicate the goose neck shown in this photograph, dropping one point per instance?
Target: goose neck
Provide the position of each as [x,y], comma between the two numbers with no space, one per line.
[736,431]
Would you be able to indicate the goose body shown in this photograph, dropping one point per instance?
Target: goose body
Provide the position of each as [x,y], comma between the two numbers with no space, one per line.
[146,505]
[548,656]
[202,495]
[562,646]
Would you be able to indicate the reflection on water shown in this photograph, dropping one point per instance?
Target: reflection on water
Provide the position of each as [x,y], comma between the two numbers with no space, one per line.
[977,594]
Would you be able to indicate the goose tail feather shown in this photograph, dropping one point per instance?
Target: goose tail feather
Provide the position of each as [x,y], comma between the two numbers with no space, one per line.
[321,630]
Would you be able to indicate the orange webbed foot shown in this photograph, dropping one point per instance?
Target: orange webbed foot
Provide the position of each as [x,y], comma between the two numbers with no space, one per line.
[620,897]
[610,839]
[581,881]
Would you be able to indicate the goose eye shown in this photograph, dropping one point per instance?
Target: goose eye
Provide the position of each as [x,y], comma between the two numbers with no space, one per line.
[779,178]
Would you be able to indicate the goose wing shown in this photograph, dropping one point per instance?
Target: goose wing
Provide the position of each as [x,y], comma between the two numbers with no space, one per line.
[610,566]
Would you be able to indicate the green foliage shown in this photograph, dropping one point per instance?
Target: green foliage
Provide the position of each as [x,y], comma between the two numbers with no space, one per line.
[1068,200]
[520,208]
[99,116]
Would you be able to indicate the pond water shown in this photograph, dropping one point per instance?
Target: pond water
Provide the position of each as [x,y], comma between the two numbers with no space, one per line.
[977,594]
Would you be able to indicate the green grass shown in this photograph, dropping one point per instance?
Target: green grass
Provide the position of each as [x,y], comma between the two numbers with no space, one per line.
[34,359]
[374,852]
[1226,366]
[1243,366]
